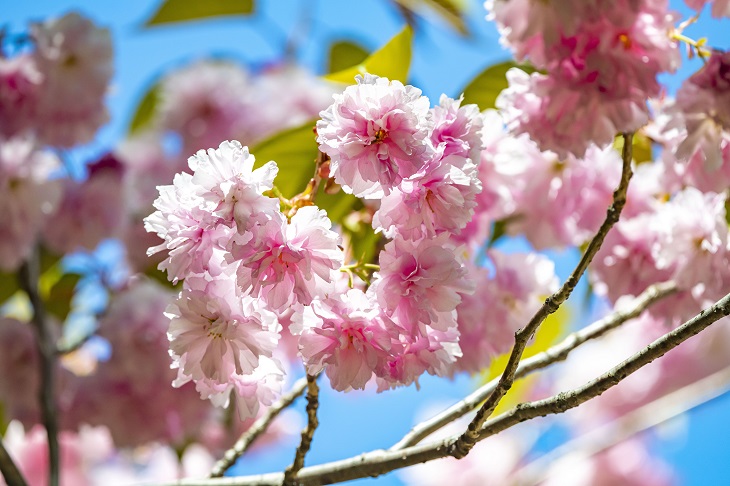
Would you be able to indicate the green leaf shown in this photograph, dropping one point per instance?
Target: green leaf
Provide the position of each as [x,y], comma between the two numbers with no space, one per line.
[145,111]
[362,240]
[452,11]
[8,286]
[345,54]
[337,205]
[58,302]
[641,145]
[185,10]
[295,152]
[392,61]
[484,89]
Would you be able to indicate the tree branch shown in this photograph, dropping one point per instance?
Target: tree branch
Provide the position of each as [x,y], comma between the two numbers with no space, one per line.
[9,470]
[558,352]
[28,276]
[467,440]
[380,462]
[256,429]
[565,401]
[650,415]
[290,476]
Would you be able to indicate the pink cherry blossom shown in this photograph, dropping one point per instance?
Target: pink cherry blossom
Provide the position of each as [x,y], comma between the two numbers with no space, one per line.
[224,178]
[28,196]
[210,322]
[549,111]
[504,302]
[209,101]
[438,199]
[75,58]
[431,351]
[702,105]
[458,127]
[564,202]
[190,231]
[90,210]
[19,91]
[418,280]
[347,335]
[286,96]
[685,239]
[206,102]
[29,449]
[720,8]
[626,263]
[628,463]
[130,393]
[503,172]
[146,166]
[376,134]
[288,262]
[597,78]
[694,241]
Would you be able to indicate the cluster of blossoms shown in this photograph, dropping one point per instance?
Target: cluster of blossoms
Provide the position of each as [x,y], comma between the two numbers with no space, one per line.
[52,95]
[699,121]
[248,267]
[265,279]
[200,105]
[600,62]
[57,91]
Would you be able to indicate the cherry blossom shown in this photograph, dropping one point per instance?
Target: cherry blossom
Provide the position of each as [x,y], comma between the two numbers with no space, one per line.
[433,350]
[438,199]
[349,336]
[598,75]
[375,134]
[90,210]
[419,280]
[720,8]
[506,298]
[75,58]
[225,179]
[29,195]
[130,392]
[219,339]
[19,91]
[288,262]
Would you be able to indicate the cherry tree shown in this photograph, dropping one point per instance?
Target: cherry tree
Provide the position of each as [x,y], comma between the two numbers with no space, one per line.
[159,301]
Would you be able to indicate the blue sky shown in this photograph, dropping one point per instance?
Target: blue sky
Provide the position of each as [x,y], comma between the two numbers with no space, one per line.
[442,63]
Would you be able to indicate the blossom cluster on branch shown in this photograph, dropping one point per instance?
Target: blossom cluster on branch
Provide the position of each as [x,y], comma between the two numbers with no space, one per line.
[391,259]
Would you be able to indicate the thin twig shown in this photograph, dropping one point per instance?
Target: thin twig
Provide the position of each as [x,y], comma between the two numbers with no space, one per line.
[379,462]
[308,195]
[558,352]
[9,470]
[467,440]
[650,415]
[290,476]
[256,429]
[28,276]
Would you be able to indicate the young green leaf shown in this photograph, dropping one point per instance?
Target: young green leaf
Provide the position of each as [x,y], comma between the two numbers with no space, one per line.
[484,89]
[391,61]
[145,111]
[344,54]
[186,10]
